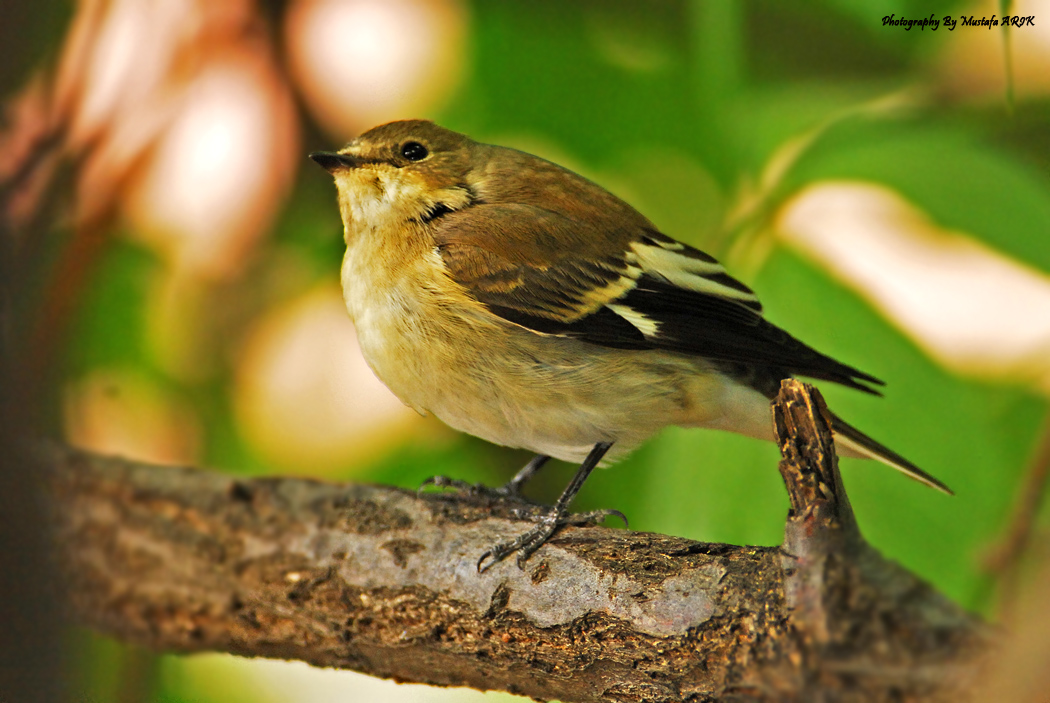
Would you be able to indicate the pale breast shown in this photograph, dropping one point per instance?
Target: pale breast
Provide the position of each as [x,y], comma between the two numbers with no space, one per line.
[442,353]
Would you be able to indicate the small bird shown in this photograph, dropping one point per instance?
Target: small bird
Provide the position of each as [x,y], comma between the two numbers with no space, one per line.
[524,304]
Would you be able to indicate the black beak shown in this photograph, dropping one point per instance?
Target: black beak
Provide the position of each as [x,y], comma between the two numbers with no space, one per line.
[332,162]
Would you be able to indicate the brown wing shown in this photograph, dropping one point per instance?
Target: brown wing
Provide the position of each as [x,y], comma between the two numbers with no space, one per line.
[618,288]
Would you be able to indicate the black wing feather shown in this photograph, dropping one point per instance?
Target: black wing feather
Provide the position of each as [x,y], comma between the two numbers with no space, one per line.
[696,324]
[536,280]
[718,328]
[603,327]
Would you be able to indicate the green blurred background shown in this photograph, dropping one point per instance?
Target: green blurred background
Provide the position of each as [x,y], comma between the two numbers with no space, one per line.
[711,117]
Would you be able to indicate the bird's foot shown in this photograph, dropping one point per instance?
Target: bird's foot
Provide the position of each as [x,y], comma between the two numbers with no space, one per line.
[508,491]
[528,542]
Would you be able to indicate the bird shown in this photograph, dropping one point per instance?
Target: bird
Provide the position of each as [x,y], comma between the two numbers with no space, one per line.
[524,304]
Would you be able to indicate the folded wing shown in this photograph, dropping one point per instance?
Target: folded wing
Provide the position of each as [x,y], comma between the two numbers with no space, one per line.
[624,286]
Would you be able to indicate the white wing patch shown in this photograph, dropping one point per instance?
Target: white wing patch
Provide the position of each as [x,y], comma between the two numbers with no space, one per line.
[595,298]
[642,322]
[686,271]
[657,258]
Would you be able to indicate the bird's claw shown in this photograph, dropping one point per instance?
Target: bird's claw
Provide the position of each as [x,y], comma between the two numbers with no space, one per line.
[594,517]
[446,482]
[524,544]
[529,541]
[508,491]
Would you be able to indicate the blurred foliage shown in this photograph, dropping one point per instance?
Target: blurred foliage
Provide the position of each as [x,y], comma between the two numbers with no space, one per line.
[544,69]
[675,105]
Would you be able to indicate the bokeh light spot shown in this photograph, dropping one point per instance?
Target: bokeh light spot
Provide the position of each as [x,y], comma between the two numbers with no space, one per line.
[305,399]
[362,62]
[975,310]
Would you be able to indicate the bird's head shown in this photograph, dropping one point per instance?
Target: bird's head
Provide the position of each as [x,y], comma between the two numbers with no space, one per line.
[411,170]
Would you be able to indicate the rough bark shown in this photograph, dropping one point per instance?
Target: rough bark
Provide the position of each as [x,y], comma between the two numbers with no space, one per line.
[383,581]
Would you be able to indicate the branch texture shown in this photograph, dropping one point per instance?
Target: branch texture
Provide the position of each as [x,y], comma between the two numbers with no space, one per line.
[383,581]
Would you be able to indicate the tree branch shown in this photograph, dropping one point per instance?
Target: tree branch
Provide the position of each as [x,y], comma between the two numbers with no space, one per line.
[383,581]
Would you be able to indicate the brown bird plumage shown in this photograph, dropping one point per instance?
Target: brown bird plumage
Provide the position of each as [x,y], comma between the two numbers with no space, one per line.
[522,303]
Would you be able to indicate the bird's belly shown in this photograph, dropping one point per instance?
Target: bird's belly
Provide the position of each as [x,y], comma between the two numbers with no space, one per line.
[551,395]
[445,355]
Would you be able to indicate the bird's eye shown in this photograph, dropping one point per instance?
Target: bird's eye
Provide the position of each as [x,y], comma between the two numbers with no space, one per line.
[414,151]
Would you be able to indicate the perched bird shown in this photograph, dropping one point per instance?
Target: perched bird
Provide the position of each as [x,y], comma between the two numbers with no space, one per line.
[522,303]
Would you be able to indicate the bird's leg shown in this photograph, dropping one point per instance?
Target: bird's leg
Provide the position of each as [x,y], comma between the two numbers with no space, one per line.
[549,522]
[511,489]
[513,486]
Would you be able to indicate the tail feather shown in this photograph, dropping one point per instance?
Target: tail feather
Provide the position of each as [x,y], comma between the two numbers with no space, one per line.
[854,441]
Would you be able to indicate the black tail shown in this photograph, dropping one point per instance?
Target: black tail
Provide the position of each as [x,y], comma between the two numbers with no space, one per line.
[856,442]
